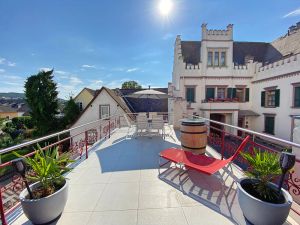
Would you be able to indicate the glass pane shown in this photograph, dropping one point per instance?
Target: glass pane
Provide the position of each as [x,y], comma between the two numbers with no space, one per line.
[209,59]
[297,97]
[223,56]
[216,60]
[240,94]
[221,93]
[190,94]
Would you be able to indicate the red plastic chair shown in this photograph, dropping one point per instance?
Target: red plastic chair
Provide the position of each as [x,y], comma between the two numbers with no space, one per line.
[200,163]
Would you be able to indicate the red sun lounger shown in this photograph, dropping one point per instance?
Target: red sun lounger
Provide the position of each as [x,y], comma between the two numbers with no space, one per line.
[200,163]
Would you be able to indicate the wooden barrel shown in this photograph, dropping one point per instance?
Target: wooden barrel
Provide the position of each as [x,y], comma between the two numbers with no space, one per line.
[193,135]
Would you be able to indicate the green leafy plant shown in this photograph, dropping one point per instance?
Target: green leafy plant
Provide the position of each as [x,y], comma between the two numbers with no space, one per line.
[264,167]
[47,168]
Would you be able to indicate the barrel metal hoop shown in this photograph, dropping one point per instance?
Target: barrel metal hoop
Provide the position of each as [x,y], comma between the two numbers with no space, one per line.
[186,132]
[203,147]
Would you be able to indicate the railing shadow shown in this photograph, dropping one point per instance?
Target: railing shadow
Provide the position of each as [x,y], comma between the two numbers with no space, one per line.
[216,192]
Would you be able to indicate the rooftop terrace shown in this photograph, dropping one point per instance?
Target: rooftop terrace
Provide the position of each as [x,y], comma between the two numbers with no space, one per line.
[119,184]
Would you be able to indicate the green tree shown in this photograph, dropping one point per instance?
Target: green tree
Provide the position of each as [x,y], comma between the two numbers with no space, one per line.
[41,96]
[131,85]
[71,112]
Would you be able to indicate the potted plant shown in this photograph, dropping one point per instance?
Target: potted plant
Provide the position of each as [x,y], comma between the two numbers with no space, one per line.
[44,200]
[263,202]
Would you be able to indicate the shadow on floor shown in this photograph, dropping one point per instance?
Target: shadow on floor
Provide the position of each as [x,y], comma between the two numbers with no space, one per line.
[132,154]
[216,192]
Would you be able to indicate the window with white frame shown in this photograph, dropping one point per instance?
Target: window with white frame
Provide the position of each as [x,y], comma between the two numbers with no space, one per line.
[104,111]
[221,92]
[216,57]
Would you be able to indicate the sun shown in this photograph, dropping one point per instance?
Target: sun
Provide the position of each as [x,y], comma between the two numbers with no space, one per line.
[165,7]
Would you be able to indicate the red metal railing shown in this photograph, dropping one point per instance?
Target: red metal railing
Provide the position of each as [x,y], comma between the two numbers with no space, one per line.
[78,141]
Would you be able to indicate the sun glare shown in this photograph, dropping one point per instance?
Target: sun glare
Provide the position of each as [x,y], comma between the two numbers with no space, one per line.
[165,7]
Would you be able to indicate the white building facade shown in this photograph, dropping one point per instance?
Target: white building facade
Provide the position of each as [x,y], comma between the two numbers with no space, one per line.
[255,85]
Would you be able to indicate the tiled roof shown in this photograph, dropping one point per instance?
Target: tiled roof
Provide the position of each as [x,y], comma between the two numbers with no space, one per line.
[255,49]
[142,104]
[7,109]
[261,51]
[91,91]
[191,51]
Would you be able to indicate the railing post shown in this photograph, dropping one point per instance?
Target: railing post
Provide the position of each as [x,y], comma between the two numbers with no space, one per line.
[86,145]
[3,219]
[109,128]
[119,122]
[223,144]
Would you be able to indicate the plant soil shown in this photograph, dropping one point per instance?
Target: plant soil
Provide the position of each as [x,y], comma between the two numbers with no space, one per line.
[39,192]
[250,189]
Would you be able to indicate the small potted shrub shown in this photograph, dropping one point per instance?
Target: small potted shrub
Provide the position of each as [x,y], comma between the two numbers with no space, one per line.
[44,200]
[263,202]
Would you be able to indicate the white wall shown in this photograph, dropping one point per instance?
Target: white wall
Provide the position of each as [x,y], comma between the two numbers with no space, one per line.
[92,114]
[200,75]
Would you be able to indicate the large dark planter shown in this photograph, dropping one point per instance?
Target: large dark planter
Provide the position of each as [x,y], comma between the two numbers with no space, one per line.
[259,212]
[44,210]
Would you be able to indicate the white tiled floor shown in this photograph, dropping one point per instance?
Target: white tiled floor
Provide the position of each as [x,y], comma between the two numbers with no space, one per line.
[119,185]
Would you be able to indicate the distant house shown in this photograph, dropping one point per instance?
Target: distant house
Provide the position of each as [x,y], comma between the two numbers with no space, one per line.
[8,112]
[84,97]
[104,104]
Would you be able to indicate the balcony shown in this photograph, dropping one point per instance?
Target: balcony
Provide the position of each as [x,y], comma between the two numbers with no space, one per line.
[115,181]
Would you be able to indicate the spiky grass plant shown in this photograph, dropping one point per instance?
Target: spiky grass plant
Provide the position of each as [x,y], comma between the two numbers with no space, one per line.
[48,167]
[264,167]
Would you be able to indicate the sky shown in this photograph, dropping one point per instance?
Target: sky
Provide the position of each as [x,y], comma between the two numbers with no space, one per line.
[94,43]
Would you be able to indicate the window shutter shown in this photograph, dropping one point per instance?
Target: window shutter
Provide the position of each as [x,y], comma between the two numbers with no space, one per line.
[263,98]
[233,92]
[229,92]
[247,95]
[210,93]
[297,97]
[193,94]
[277,97]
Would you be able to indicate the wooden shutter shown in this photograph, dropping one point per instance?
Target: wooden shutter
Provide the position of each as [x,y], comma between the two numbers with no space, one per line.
[269,124]
[263,98]
[247,95]
[233,92]
[229,92]
[210,93]
[277,97]
[297,97]
[190,94]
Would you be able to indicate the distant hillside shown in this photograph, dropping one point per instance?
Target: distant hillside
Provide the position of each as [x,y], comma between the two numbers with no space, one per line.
[12,95]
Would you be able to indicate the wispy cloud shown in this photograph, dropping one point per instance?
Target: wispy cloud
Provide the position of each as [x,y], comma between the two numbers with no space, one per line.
[130,70]
[2,70]
[75,80]
[11,64]
[46,69]
[88,66]
[296,12]
[4,61]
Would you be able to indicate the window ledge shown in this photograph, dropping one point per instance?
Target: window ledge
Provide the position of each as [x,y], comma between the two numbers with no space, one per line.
[268,133]
[295,107]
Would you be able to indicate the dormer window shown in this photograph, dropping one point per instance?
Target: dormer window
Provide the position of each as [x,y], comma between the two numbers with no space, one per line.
[210,59]
[216,58]
[223,59]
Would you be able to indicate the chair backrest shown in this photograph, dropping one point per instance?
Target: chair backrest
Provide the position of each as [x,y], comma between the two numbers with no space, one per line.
[157,122]
[141,118]
[240,148]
